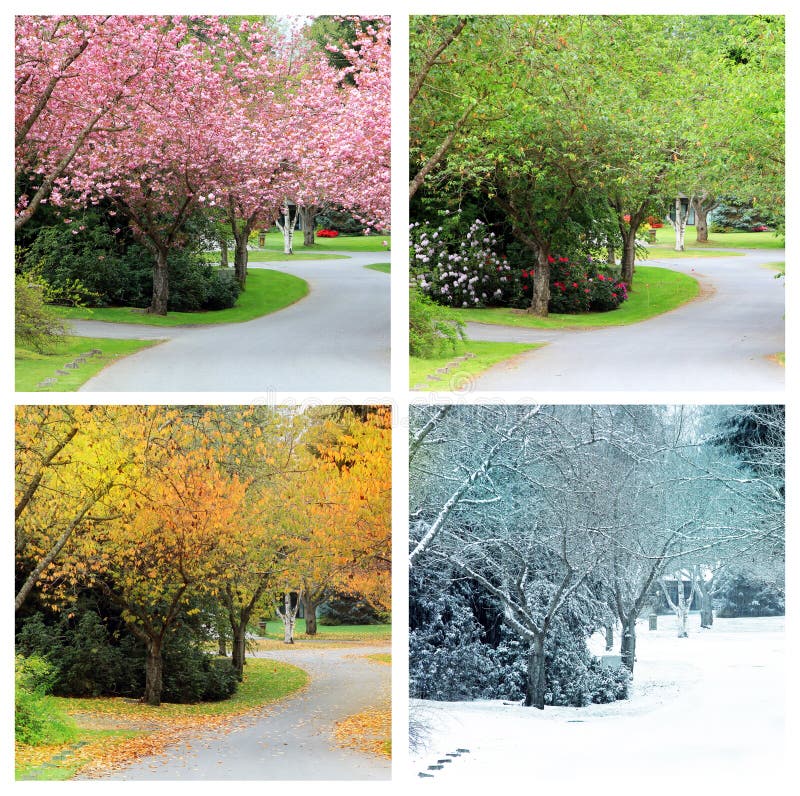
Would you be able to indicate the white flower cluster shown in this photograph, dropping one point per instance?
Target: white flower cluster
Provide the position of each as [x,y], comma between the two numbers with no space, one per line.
[458,273]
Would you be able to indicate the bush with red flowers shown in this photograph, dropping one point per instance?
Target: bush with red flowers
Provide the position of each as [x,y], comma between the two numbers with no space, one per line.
[578,288]
[327,233]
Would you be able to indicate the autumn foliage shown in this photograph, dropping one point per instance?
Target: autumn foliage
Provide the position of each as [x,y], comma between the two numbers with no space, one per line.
[180,515]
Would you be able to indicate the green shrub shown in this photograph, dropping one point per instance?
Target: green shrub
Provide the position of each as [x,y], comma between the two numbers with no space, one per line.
[86,659]
[95,267]
[433,330]
[35,719]
[35,325]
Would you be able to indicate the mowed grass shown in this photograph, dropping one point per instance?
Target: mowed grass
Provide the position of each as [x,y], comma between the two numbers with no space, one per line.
[460,377]
[31,367]
[342,243]
[265,681]
[655,291]
[56,763]
[665,238]
[267,291]
[779,266]
[662,253]
[356,633]
[385,268]
[270,256]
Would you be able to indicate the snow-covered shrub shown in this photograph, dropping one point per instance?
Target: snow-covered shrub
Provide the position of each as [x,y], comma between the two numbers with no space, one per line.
[459,649]
[742,594]
[466,272]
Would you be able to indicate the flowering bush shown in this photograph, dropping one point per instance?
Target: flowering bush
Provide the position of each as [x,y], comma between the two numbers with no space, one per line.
[327,233]
[467,273]
[579,288]
[654,222]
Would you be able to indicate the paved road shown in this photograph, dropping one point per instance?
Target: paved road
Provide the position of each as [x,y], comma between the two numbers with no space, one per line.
[337,338]
[292,740]
[718,342]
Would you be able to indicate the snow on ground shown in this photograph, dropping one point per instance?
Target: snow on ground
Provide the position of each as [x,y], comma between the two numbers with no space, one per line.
[704,710]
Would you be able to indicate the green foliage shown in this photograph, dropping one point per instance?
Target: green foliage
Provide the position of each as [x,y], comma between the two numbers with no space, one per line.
[434,330]
[36,721]
[87,264]
[87,659]
[35,325]
[343,609]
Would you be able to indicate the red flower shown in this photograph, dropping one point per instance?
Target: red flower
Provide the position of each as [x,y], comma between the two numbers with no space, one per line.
[563,259]
[550,258]
[524,274]
[574,284]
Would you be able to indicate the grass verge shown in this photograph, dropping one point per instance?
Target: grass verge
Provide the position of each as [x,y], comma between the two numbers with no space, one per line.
[665,237]
[342,243]
[31,367]
[383,267]
[486,355]
[274,256]
[779,266]
[114,731]
[655,291]
[267,291]
[663,253]
[335,633]
[381,657]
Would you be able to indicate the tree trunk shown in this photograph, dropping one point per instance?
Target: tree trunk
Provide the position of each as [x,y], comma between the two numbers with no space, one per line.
[289,617]
[158,303]
[240,260]
[540,299]
[609,638]
[238,649]
[310,609]
[702,205]
[221,646]
[154,673]
[223,251]
[628,256]
[534,688]
[611,254]
[680,225]
[628,643]
[706,609]
[308,218]
[287,228]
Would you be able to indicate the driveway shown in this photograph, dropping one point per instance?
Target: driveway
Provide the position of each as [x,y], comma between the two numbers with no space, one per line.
[335,339]
[292,740]
[721,341]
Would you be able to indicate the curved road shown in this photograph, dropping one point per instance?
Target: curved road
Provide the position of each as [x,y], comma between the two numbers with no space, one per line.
[291,740]
[720,341]
[336,338]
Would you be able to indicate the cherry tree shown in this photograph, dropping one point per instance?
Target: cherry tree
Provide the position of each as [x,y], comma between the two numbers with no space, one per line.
[77,79]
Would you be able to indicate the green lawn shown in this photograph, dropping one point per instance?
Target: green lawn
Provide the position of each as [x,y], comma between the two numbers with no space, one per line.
[267,291]
[31,367]
[270,256]
[663,253]
[779,266]
[383,267]
[344,243]
[486,355]
[332,632]
[665,238]
[655,290]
